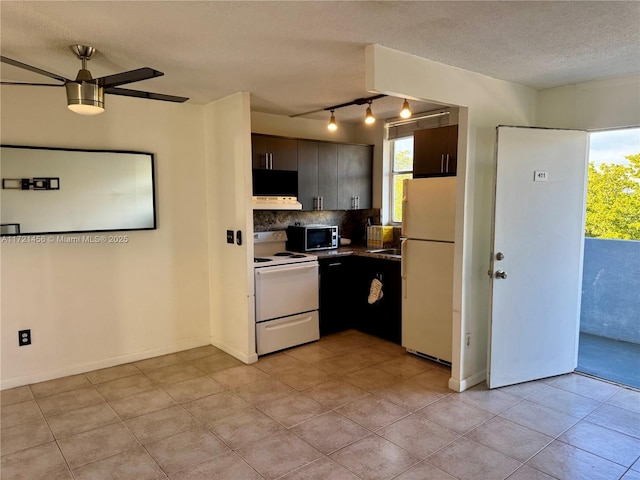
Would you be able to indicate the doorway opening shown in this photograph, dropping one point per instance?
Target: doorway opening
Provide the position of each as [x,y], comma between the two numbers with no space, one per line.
[609,345]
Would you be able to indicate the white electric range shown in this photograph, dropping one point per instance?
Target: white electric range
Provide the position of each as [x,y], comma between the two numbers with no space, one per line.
[286,288]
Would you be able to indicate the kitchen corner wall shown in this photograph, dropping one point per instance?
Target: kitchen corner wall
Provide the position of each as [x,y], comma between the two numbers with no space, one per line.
[95,305]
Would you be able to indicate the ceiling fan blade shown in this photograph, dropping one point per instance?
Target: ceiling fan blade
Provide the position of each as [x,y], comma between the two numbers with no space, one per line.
[33,84]
[18,64]
[128,77]
[152,96]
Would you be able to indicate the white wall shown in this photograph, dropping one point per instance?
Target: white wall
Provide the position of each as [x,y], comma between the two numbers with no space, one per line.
[602,104]
[95,305]
[228,178]
[486,102]
[374,135]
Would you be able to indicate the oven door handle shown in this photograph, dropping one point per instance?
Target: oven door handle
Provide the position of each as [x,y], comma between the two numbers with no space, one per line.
[270,270]
[288,324]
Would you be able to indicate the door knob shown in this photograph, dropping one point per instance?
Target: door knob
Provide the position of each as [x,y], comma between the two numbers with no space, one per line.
[501,274]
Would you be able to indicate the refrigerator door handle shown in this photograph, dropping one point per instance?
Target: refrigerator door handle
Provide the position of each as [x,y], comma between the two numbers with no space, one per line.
[403,278]
[403,253]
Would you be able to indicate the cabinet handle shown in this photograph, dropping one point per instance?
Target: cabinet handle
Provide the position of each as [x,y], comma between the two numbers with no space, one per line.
[442,163]
[357,203]
[315,203]
[447,170]
[271,161]
[321,203]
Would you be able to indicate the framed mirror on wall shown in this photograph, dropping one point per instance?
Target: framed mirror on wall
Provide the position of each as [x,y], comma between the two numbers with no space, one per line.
[56,190]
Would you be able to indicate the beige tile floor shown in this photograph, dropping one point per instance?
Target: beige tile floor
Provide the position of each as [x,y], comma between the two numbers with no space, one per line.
[347,407]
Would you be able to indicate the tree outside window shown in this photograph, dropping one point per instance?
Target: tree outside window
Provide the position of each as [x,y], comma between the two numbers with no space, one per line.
[402,168]
[613,190]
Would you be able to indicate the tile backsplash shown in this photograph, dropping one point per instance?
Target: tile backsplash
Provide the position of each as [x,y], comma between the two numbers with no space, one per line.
[352,223]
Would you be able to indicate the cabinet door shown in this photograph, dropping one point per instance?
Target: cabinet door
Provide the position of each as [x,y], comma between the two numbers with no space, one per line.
[391,319]
[282,152]
[307,173]
[258,151]
[355,165]
[382,318]
[336,295]
[328,175]
[430,147]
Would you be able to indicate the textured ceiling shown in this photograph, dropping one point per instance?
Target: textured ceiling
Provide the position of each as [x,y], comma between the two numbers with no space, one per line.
[301,56]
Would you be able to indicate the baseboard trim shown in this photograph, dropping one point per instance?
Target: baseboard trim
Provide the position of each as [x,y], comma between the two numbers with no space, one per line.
[234,352]
[104,363]
[465,383]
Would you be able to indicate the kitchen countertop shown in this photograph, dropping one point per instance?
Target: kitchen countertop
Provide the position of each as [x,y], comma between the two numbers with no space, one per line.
[356,250]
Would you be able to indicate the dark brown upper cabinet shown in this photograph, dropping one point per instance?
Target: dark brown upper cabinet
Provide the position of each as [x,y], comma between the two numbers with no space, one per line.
[435,152]
[274,153]
[317,175]
[355,173]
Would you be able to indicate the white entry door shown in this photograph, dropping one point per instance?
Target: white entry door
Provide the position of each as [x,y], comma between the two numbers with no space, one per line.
[538,238]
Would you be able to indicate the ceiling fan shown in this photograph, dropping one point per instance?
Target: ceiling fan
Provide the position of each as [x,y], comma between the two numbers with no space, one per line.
[85,94]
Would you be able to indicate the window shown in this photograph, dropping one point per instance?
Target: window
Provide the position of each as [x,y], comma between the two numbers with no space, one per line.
[400,137]
[401,169]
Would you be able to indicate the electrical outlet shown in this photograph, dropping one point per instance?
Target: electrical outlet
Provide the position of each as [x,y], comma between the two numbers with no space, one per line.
[468,340]
[24,337]
[230,238]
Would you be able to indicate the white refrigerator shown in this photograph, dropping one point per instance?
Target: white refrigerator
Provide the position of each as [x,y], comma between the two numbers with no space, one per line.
[428,226]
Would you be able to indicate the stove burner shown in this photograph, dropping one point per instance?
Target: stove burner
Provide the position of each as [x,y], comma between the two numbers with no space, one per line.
[260,260]
[284,254]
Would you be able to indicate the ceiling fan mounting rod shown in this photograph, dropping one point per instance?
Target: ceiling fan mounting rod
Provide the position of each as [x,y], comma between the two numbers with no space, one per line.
[84,53]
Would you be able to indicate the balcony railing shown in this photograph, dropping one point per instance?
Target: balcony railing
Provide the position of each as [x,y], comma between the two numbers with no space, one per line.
[611,289]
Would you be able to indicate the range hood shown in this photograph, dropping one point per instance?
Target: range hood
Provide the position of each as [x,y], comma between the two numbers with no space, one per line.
[262,202]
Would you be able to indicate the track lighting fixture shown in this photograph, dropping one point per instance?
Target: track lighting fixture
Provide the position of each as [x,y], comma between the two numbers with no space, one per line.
[406,110]
[332,122]
[369,118]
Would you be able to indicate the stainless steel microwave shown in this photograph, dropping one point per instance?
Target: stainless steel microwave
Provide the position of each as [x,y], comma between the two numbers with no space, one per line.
[307,238]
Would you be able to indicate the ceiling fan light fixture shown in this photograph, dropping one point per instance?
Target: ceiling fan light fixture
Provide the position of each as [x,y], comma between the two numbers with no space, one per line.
[85,98]
[369,118]
[406,110]
[332,122]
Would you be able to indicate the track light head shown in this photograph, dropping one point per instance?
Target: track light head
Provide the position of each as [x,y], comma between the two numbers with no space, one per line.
[406,110]
[369,118]
[332,122]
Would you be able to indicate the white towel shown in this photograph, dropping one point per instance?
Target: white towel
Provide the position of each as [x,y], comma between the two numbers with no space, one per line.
[375,292]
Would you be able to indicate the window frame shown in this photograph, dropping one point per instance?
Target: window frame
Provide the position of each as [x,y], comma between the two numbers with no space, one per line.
[393,173]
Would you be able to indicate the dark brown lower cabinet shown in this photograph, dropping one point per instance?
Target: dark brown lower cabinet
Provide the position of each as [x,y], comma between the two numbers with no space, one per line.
[384,317]
[336,305]
[345,283]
